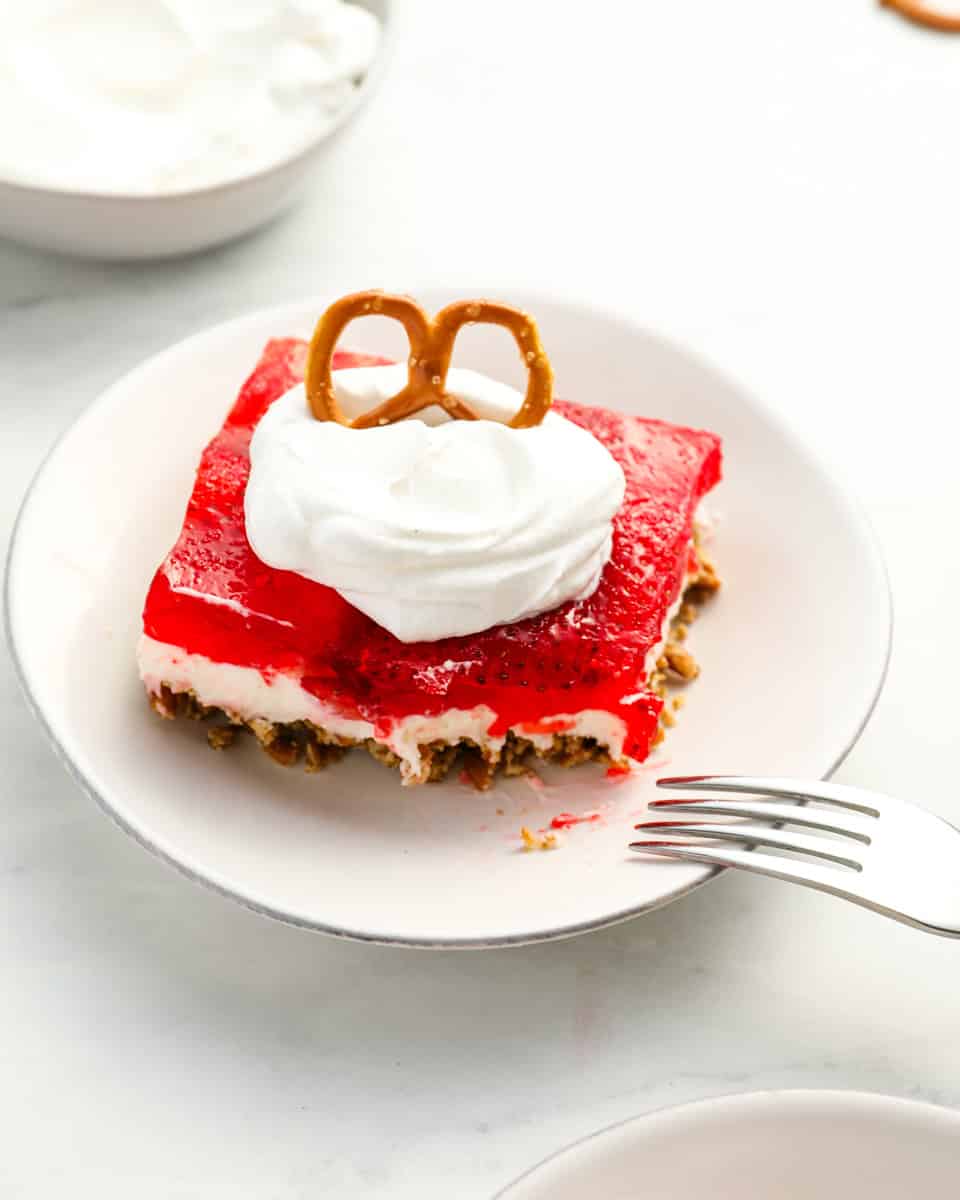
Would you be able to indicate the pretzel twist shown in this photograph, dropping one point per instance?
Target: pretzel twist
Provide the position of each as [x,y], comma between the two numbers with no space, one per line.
[923,14]
[431,349]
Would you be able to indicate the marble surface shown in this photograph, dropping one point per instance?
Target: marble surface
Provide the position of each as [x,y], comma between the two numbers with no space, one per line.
[778,189]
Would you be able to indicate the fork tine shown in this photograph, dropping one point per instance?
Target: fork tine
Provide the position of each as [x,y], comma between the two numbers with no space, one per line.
[783,814]
[748,834]
[825,879]
[785,789]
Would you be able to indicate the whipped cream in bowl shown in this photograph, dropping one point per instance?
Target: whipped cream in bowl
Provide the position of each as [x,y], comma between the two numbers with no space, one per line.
[434,528]
[163,127]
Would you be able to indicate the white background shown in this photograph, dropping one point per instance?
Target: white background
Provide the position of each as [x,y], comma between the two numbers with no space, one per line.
[777,185]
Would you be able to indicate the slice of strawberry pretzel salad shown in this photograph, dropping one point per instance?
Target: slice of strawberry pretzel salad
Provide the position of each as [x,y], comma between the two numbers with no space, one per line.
[422,561]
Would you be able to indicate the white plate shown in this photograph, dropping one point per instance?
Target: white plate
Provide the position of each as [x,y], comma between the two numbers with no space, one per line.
[764,1146]
[348,851]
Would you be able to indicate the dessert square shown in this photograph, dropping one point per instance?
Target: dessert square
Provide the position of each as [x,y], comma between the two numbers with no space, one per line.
[270,651]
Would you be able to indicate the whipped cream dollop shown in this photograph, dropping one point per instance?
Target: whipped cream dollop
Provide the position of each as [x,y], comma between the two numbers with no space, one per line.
[159,95]
[434,528]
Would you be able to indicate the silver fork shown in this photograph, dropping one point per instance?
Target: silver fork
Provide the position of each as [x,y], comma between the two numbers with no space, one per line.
[882,853]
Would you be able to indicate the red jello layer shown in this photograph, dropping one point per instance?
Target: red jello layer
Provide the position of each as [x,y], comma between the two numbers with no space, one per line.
[213,596]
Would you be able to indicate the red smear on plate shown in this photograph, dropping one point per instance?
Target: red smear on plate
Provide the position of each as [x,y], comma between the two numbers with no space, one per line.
[567,820]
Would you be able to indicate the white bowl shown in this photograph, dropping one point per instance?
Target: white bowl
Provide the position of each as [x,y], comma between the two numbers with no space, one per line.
[131,226]
[805,1145]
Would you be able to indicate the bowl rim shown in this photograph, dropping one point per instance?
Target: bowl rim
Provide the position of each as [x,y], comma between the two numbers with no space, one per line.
[369,82]
[798,1097]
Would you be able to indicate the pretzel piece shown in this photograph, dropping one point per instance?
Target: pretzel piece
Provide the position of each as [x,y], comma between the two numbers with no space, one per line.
[924,14]
[317,380]
[450,320]
[431,349]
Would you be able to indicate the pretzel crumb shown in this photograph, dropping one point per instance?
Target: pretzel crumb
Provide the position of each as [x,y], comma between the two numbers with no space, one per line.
[220,737]
[538,841]
[681,661]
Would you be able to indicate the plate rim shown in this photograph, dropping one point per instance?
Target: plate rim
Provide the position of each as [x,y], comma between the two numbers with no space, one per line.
[531,297]
[732,1100]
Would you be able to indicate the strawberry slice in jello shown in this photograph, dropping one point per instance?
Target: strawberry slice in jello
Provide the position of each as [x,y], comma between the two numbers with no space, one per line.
[309,674]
